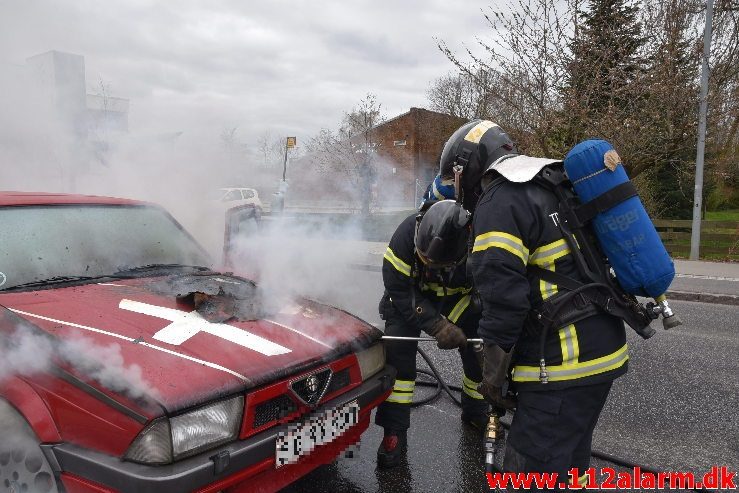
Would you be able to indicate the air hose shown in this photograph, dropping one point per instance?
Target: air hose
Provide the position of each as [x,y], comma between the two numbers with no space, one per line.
[442,386]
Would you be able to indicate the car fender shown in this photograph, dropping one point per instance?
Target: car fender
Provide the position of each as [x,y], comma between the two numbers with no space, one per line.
[24,398]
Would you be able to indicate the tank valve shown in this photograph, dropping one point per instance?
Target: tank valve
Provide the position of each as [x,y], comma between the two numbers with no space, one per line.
[669,318]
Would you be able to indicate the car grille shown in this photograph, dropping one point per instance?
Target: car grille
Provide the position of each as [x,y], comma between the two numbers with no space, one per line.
[340,380]
[273,409]
[311,388]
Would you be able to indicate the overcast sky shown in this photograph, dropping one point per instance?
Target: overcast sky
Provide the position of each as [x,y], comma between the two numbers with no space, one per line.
[278,66]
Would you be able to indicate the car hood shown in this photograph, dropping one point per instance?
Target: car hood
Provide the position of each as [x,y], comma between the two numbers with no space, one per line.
[185,359]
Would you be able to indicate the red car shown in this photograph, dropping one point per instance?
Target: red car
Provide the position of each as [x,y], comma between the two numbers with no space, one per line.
[127,364]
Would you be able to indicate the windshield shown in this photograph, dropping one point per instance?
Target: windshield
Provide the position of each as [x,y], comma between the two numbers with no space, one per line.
[46,242]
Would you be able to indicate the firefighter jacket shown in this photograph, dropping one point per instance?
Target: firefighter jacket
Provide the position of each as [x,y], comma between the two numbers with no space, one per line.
[419,295]
[515,226]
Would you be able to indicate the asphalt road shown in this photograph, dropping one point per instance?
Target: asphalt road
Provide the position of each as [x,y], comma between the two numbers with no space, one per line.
[676,409]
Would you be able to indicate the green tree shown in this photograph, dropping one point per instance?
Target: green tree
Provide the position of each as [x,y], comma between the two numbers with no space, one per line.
[672,66]
[604,85]
[606,54]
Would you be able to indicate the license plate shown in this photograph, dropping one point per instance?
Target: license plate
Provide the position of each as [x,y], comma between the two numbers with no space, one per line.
[302,438]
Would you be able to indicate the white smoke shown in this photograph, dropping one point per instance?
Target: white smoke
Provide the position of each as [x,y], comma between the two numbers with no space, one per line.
[105,365]
[25,353]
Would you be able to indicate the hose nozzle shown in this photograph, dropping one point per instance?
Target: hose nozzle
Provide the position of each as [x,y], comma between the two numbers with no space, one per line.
[493,433]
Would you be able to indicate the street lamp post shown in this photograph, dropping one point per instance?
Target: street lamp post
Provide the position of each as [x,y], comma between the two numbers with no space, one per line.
[695,236]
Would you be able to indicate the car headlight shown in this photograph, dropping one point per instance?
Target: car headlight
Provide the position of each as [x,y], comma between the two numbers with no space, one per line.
[165,440]
[371,360]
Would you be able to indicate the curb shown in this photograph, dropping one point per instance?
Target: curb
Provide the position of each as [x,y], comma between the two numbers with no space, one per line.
[722,299]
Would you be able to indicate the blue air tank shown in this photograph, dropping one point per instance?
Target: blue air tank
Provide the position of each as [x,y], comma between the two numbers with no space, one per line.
[625,232]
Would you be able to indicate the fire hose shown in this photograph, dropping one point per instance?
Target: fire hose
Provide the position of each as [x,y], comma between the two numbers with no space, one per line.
[494,433]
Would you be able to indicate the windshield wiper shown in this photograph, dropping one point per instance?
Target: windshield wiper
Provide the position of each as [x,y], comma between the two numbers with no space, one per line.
[52,280]
[143,270]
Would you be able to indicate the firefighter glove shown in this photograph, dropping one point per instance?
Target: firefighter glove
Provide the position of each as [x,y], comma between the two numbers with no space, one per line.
[494,377]
[448,335]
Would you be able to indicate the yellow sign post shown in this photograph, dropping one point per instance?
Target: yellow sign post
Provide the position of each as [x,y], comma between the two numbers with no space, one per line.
[290,143]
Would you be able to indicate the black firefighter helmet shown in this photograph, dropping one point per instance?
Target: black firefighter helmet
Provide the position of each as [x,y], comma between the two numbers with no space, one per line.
[474,146]
[442,233]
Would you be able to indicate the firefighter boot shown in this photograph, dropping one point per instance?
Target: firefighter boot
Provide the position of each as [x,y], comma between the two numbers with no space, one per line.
[475,409]
[477,421]
[392,449]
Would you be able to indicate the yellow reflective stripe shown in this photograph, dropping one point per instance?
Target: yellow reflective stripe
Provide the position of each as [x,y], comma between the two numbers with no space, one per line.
[476,133]
[575,344]
[399,265]
[563,345]
[459,308]
[400,398]
[568,343]
[402,392]
[582,481]
[547,254]
[469,387]
[439,290]
[573,371]
[472,393]
[469,382]
[406,385]
[546,289]
[505,241]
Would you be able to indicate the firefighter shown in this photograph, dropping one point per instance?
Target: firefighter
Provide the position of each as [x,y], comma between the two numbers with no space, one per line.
[516,232]
[426,289]
[439,189]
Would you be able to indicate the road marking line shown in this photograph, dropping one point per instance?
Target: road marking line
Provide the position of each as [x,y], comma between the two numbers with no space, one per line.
[712,278]
[129,339]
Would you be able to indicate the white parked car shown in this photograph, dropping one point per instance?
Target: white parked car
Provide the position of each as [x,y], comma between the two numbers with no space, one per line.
[235,197]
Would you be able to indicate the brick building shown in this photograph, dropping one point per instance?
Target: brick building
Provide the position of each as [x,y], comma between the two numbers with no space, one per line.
[406,158]
[410,145]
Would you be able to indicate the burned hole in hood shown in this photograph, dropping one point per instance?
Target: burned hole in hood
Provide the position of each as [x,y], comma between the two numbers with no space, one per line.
[217,297]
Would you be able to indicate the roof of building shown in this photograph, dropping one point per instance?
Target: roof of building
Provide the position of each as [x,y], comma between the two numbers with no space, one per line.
[398,117]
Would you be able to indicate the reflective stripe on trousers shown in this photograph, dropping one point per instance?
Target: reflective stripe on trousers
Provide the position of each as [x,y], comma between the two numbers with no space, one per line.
[402,392]
[469,387]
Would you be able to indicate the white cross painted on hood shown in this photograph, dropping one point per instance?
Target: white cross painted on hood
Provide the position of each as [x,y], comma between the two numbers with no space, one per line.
[186,324]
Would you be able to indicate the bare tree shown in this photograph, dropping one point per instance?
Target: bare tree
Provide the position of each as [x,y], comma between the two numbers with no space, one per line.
[523,67]
[349,152]
[465,96]
[271,150]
